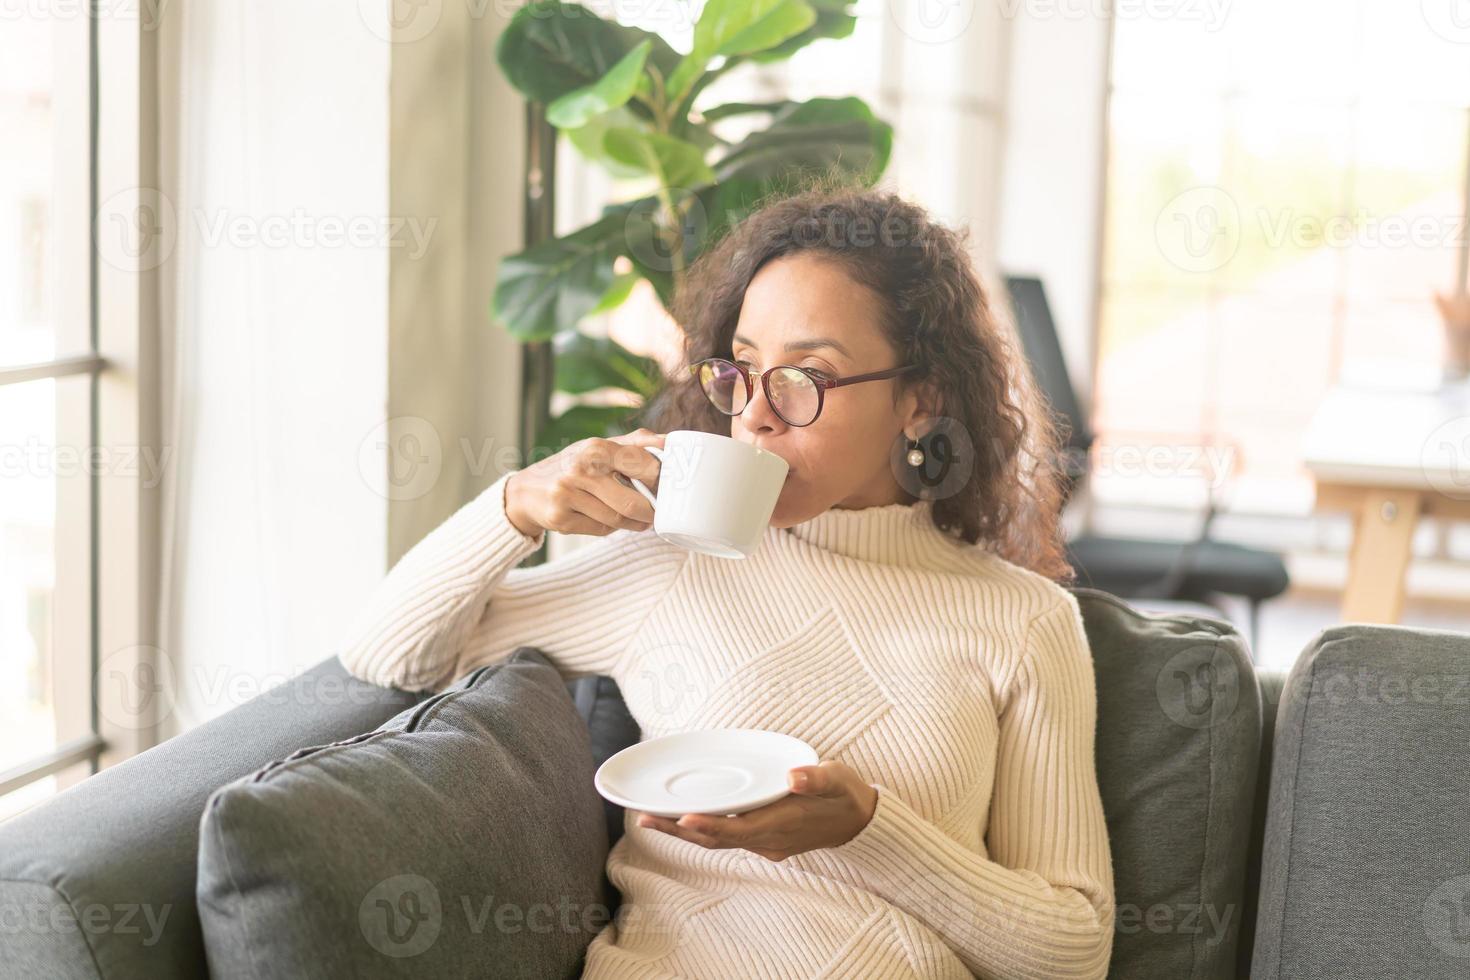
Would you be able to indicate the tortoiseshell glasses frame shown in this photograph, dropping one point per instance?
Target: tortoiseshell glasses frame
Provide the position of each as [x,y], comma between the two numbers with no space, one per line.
[799,389]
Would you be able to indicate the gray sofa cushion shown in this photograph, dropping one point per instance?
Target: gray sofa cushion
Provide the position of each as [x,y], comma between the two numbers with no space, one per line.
[1271,683]
[612,728]
[100,878]
[1366,867]
[1178,737]
[462,838]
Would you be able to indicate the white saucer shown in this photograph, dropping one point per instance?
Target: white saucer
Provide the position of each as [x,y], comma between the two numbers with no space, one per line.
[717,770]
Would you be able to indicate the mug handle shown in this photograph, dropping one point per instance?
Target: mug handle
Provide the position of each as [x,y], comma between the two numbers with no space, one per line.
[638,484]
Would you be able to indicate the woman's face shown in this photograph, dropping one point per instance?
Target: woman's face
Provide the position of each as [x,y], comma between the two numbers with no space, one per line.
[804,310]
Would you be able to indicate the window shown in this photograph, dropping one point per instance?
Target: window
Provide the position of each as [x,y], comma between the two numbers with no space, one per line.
[1285,193]
[48,366]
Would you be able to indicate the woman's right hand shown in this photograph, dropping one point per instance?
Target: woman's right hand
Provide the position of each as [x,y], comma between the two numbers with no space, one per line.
[575,491]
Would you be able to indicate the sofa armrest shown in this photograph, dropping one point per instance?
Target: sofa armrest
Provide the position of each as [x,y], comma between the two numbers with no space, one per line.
[1365,857]
[99,881]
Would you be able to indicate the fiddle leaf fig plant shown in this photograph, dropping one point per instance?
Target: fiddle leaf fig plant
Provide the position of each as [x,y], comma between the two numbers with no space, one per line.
[626,100]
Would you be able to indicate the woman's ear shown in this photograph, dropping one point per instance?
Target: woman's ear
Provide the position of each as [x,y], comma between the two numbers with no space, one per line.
[926,403]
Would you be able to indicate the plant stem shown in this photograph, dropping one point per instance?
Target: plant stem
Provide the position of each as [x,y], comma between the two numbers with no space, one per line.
[675,222]
[660,100]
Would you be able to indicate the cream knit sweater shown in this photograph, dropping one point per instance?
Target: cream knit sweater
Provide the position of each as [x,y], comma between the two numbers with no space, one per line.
[958,684]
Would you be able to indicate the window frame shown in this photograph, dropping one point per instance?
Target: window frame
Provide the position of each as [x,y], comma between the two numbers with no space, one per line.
[118,315]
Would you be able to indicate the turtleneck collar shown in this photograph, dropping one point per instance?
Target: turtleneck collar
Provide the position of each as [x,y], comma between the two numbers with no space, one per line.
[895,534]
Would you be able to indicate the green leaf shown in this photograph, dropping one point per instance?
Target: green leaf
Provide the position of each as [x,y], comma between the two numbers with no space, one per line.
[729,202]
[832,22]
[716,113]
[702,137]
[720,22]
[553,285]
[786,21]
[588,141]
[551,48]
[674,162]
[586,364]
[661,279]
[611,91]
[617,294]
[585,422]
[819,134]
[685,104]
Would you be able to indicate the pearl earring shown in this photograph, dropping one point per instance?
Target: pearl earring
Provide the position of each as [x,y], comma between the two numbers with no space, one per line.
[916,455]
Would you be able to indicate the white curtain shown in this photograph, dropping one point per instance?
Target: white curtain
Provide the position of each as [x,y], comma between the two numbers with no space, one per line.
[274,121]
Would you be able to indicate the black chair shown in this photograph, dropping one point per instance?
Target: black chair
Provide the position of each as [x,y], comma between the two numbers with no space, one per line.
[1199,569]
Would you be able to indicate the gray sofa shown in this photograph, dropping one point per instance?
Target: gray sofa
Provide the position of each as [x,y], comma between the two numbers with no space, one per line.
[1328,837]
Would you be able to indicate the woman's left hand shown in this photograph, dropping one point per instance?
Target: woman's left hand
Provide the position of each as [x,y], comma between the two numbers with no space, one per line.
[829,805]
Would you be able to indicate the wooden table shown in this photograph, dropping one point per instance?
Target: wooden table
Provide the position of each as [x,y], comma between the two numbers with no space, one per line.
[1389,456]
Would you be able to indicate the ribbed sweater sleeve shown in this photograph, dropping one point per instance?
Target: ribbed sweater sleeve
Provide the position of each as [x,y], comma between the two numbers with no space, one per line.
[1042,903]
[409,632]
[455,600]
[584,609]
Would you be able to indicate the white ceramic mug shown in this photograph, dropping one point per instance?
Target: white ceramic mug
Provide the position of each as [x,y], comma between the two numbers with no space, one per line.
[715,494]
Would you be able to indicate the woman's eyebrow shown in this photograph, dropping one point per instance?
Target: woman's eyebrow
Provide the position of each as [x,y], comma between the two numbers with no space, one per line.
[811,343]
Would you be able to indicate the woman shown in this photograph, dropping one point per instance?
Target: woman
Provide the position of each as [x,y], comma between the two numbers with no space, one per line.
[903,616]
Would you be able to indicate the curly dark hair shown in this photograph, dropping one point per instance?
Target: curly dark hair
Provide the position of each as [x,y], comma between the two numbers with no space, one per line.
[935,314]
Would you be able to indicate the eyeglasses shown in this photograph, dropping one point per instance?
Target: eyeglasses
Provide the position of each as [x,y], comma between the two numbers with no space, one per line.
[794,393]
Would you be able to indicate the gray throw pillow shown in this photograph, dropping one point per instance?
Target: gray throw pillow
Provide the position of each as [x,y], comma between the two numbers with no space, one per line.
[1178,743]
[461,838]
[612,728]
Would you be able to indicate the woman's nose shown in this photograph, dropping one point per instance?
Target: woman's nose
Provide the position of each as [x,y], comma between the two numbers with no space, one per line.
[758,415]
